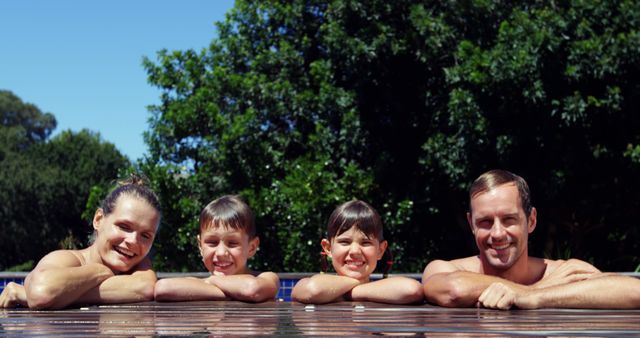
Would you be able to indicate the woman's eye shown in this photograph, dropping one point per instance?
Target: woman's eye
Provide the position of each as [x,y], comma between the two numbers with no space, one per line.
[123,227]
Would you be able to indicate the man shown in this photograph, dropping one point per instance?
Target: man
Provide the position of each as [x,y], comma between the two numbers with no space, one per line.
[503,275]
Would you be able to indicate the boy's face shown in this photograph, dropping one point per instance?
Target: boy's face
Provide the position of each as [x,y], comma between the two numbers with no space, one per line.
[354,254]
[225,250]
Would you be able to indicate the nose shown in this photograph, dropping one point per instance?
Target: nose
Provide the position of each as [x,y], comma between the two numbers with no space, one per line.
[497,230]
[354,248]
[132,237]
[221,250]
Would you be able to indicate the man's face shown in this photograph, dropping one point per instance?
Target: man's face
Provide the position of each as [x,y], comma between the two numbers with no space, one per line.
[500,226]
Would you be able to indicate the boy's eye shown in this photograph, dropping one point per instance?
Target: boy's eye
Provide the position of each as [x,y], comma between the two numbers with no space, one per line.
[344,242]
[146,236]
[212,243]
[233,244]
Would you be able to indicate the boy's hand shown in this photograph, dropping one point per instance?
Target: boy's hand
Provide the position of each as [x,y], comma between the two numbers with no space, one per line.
[13,295]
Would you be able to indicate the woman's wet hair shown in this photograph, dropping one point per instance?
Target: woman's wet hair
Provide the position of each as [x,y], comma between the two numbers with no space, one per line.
[228,211]
[355,213]
[136,186]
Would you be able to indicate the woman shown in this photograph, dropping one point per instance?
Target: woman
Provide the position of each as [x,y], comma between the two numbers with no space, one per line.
[113,269]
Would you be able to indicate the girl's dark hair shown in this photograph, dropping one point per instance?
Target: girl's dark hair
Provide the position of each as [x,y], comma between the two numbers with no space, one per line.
[355,213]
[366,219]
[136,186]
[229,211]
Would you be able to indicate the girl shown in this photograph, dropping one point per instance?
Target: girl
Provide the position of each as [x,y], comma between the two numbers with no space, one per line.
[355,244]
[226,241]
[113,269]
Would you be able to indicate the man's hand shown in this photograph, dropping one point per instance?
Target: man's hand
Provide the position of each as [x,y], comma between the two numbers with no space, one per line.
[572,270]
[497,296]
[13,295]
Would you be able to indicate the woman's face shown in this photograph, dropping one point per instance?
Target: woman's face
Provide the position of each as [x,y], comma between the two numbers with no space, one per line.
[124,237]
[354,254]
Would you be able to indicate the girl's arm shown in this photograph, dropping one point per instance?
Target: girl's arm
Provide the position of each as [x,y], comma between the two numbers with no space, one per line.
[187,289]
[59,279]
[246,287]
[392,290]
[322,288]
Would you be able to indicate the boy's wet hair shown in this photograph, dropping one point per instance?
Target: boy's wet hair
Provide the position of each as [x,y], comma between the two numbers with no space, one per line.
[135,186]
[355,213]
[228,211]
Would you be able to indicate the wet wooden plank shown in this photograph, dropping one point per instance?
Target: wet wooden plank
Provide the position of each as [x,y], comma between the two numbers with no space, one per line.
[285,318]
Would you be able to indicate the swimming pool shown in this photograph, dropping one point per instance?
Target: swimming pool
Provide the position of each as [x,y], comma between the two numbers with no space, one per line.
[287,279]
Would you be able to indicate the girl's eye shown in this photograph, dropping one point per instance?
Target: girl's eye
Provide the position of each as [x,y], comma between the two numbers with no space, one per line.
[212,243]
[344,242]
[232,244]
[146,236]
[123,227]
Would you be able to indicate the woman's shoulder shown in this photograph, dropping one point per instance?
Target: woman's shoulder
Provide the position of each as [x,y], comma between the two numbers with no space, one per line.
[63,258]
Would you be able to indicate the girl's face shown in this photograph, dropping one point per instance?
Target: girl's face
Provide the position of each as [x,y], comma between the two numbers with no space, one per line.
[124,237]
[354,254]
[225,250]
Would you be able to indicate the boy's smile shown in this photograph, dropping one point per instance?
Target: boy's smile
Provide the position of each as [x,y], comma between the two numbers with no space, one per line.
[225,250]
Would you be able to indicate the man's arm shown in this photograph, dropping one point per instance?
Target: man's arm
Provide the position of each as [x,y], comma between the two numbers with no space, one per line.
[322,288]
[445,284]
[602,291]
[59,280]
[392,290]
[187,289]
[246,287]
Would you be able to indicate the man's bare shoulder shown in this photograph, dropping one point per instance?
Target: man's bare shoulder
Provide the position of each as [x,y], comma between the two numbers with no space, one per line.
[470,264]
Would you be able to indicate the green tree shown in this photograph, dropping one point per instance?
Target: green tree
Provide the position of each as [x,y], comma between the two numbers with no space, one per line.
[45,183]
[301,105]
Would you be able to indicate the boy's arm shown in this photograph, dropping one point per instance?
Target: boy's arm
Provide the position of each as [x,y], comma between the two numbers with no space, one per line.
[447,285]
[322,288]
[59,280]
[392,290]
[187,289]
[246,287]
[135,287]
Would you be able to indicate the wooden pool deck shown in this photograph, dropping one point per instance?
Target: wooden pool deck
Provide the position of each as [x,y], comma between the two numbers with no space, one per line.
[294,319]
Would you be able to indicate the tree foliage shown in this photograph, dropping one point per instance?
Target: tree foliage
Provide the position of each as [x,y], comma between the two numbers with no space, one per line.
[44,183]
[301,105]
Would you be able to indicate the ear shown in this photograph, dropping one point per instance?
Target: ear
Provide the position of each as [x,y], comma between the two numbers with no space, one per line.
[253,246]
[326,246]
[199,244]
[533,220]
[382,248]
[470,222]
[97,218]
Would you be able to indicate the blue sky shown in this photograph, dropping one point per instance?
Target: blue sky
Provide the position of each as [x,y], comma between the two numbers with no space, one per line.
[81,60]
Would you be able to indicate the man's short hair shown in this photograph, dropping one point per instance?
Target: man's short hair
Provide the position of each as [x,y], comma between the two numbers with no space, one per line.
[495,178]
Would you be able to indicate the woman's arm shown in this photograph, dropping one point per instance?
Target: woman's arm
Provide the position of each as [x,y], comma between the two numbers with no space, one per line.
[59,279]
[187,289]
[392,290]
[13,295]
[135,287]
[246,287]
[322,288]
